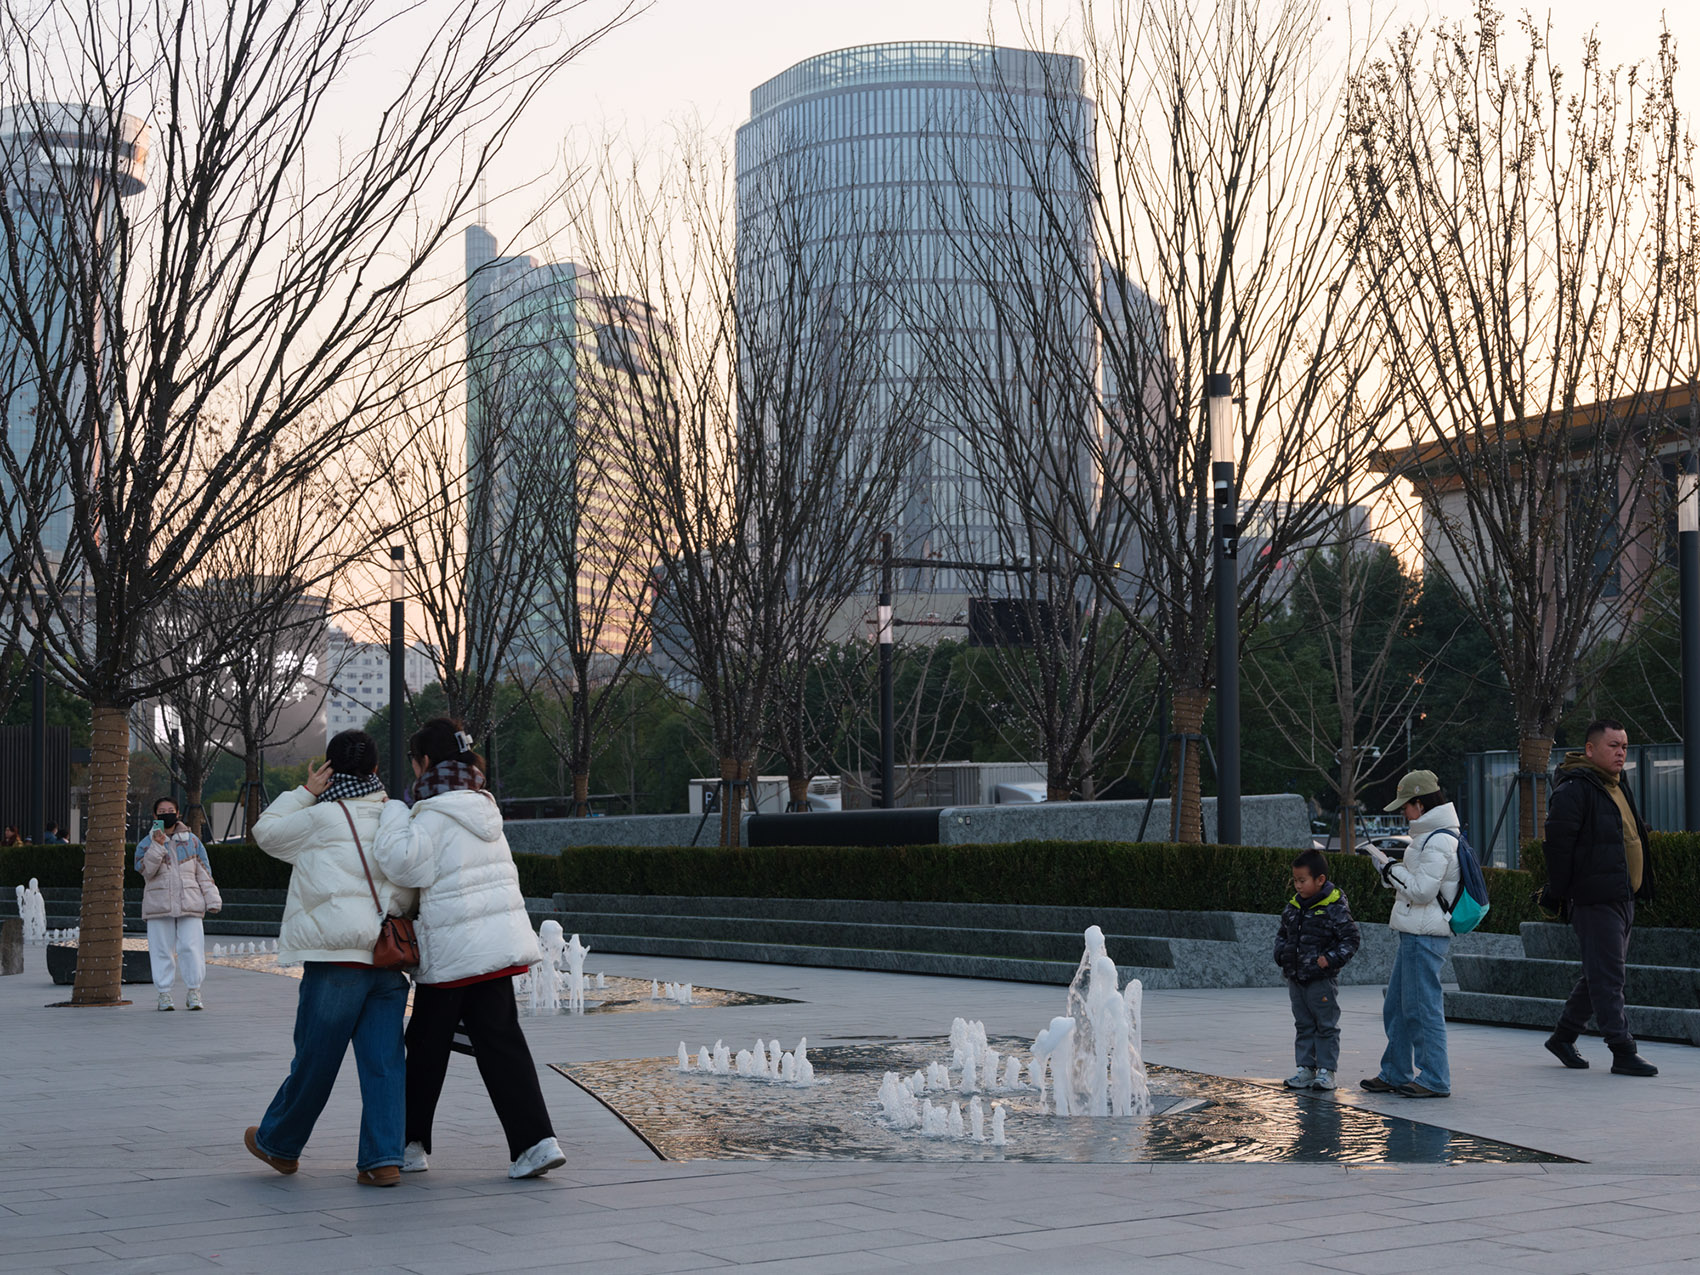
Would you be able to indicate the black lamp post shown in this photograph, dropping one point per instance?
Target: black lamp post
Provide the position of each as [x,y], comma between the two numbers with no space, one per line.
[888,712]
[1224,451]
[398,669]
[1688,558]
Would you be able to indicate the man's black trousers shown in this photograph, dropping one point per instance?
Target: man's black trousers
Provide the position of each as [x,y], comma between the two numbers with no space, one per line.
[1603,931]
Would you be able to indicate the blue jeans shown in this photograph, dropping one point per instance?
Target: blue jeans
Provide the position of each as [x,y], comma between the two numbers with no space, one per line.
[340,1004]
[1413,1012]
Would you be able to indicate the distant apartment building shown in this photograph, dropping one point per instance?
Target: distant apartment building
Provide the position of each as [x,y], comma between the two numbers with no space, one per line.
[358,676]
[553,365]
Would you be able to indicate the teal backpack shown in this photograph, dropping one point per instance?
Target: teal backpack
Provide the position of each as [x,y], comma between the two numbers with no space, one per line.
[1466,911]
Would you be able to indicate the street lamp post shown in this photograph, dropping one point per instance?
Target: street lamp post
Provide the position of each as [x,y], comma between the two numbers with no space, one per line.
[888,711]
[1688,555]
[398,668]
[1224,450]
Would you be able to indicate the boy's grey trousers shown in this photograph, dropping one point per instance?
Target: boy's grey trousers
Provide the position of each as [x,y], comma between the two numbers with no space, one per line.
[1316,1023]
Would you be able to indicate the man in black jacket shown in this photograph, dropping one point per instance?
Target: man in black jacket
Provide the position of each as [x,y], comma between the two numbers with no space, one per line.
[1597,866]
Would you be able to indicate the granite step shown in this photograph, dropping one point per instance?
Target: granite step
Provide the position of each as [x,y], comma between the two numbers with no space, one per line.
[1146,922]
[1648,945]
[1647,1022]
[1021,945]
[1668,986]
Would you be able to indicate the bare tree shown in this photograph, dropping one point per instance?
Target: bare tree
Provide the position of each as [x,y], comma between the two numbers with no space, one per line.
[591,633]
[1218,249]
[764,463]
[1521,223]
[470,515]
[179,228]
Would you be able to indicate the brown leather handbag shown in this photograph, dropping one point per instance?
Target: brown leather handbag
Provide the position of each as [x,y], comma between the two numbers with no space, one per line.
[397,947]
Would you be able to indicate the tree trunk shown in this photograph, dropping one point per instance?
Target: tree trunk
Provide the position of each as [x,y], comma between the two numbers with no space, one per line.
[193,815]
[581,792]
[251,794]
[1533,754]
[1190,703]
[100,947]
[732,800]
[799,788]
[1058,790]
[1348,802]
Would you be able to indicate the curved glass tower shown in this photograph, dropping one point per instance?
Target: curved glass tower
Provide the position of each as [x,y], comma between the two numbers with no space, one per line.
[914,174]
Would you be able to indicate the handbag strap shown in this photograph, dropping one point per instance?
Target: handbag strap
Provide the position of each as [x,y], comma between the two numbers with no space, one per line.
[362,852]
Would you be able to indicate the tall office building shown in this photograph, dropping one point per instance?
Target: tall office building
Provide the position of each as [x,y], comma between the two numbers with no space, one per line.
[936,151]
[63,168]
[540,341]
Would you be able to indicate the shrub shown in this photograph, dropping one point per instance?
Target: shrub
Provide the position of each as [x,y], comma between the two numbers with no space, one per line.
[1070,873]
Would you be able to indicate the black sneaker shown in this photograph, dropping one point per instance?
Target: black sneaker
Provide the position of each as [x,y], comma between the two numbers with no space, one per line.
[1415,1090]
[1631,1063]
[1565,1051]
[1375,1084]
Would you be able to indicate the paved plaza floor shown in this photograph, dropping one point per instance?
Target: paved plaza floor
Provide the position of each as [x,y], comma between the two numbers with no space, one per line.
[121,1150]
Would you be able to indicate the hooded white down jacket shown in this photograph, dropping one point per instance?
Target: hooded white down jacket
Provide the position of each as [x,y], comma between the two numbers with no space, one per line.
[329,914]
[472,917]
[1428,871]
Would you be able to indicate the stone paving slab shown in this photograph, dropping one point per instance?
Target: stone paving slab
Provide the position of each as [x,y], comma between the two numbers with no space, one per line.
[122,1152]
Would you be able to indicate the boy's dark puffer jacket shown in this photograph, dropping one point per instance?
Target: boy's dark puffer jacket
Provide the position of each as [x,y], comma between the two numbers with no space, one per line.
[1321,927]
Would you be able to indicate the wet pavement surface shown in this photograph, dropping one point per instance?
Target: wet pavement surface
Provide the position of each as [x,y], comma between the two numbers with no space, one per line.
[1195,1118]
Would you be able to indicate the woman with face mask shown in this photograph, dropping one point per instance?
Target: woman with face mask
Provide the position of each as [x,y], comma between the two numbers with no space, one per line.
[178,892]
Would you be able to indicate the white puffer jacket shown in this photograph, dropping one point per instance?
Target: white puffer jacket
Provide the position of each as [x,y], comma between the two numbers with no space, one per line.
[329,915]
[472,917]
[1428,870]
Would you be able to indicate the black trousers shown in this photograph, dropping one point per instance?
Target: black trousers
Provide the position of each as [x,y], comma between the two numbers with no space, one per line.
[504,1060]
[1603,931]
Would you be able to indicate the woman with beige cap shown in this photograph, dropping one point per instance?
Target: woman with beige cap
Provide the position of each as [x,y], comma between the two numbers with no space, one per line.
[1414,1064]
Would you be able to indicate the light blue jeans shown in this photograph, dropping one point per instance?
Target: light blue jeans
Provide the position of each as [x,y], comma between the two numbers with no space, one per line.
[1414,1014]
[339,1005]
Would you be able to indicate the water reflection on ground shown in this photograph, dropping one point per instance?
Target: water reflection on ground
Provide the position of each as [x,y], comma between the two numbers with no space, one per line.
[1197,1118]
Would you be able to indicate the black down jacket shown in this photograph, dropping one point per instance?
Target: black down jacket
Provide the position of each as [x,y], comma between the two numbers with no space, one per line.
[1323,926]
[1584,843]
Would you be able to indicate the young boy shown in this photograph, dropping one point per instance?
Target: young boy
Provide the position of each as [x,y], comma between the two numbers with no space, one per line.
[1317,937]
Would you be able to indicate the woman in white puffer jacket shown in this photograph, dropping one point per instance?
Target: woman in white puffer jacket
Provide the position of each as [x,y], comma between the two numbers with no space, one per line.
[324,829]
[1413,1010]
[474,936]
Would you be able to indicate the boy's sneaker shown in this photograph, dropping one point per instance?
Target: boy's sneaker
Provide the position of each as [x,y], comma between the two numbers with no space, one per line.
[165,1002]
[538,1160]
[414,1159]
[1324,1079]
[195,998]
[1303,1078]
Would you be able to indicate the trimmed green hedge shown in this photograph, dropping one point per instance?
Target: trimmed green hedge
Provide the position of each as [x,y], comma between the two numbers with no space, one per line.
[1676,876]
[234,867]
[1068,873]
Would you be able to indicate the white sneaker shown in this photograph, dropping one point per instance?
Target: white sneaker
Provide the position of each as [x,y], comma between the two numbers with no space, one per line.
[414,1159]
[539,1160]
[1324,1079]
[1303,1078]
[195,999]
[165,1001]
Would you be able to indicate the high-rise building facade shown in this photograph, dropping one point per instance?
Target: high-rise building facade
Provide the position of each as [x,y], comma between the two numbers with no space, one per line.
[547,393]
[963,161]
[63,168]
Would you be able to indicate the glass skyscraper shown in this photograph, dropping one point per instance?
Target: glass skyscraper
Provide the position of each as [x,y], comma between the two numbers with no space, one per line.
[62,169]
[961,163]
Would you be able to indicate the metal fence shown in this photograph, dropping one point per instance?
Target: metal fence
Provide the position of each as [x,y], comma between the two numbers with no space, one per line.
[1653,774]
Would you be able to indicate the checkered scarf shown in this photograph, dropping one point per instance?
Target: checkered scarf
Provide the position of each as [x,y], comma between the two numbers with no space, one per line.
[445,776]
[342,787]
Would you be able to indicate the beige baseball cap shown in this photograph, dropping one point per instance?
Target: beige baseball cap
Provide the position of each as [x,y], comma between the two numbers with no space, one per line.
[1418,783]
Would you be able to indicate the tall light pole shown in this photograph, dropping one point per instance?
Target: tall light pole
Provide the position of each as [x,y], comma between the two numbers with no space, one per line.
[1224,451]
[1688,560]
[888,710]
[398,669]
